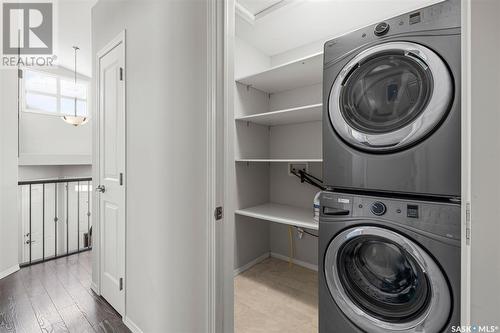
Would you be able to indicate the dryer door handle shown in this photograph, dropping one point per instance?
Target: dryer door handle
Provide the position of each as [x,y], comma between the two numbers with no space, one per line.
[331,211]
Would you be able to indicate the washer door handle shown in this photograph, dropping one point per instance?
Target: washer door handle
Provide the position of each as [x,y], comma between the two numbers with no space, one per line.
[332,211]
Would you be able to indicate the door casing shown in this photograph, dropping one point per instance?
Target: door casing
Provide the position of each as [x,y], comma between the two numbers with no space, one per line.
[97,164]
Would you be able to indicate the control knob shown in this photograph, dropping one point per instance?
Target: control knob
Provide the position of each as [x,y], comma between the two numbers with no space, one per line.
[378,208]
[381,29]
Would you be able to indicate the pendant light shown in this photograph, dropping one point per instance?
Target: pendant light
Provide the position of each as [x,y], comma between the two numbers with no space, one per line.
[75,120]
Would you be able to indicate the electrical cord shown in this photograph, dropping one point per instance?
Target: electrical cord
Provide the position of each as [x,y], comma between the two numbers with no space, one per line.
[292,254]
[306,232]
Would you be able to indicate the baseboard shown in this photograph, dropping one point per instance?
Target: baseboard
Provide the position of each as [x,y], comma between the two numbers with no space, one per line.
[295,261]
[94,288]
[252,263]
[9,271]
[131,325]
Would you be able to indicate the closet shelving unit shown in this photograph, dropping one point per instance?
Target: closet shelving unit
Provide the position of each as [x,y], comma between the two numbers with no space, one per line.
[278,114]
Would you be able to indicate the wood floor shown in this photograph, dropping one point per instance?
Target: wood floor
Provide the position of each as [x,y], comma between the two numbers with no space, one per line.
[274,297]
[55,297]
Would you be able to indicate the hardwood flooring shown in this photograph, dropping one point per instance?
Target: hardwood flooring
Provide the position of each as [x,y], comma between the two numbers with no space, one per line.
[275,297]
[55,296]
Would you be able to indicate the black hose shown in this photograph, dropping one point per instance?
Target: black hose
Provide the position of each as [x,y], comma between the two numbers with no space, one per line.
[310,179]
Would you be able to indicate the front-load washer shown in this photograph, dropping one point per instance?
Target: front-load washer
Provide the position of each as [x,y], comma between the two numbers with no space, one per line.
[388,265]
[391,102]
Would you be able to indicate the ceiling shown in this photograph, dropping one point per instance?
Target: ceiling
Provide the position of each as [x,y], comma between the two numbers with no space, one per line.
[73,28]
[301,22]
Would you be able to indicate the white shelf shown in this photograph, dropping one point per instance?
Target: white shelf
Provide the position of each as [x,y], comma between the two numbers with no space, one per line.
[296,115]
[281,160]
[299,73]
[284,214]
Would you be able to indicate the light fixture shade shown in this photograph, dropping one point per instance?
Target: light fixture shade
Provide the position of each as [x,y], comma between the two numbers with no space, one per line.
[75,120]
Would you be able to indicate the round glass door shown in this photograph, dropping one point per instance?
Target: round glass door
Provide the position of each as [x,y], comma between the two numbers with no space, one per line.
[384,282]
[390,96]
[383,279]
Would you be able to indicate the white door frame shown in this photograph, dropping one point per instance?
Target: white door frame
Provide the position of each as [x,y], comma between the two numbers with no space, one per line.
[120,39]
[227,239]
[216,165]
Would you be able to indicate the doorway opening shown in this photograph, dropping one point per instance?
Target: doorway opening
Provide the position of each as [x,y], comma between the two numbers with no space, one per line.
[61,196]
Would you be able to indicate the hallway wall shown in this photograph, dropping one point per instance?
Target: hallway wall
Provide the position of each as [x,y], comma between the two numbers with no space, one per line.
[8,171]
[166,66]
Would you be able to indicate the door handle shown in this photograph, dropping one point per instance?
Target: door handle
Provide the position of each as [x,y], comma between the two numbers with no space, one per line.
[335,211]
[101,188]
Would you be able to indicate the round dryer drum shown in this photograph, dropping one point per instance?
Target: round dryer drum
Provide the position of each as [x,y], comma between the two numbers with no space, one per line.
[390,96]
[384,282]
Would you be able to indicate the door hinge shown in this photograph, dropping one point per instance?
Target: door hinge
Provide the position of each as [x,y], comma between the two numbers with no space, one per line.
[20,73]
[121,284]
[467,223]
[121,73]
[218,213]
[121,178]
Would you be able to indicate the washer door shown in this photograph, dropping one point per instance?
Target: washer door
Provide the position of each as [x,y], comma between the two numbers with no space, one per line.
[384,282]
[390,96]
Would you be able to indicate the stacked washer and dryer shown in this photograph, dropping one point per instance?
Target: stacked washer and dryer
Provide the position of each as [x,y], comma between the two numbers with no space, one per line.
[389,229]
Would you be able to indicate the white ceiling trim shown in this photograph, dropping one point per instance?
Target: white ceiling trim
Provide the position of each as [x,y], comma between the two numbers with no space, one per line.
[249,17]
[275,7]
[244,13]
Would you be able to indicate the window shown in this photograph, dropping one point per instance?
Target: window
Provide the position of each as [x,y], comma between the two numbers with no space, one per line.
[55,95]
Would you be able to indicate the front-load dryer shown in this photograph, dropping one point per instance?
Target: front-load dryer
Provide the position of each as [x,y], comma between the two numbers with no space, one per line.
[391,104]
[388,265]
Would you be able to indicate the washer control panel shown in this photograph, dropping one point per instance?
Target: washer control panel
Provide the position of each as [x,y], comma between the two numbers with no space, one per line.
[438,218]
[378,208]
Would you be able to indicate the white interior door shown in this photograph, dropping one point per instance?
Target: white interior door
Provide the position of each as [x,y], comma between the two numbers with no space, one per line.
[111,89]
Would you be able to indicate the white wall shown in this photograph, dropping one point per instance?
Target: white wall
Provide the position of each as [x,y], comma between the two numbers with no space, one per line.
[48,140]
[249,59]
[54,171]
[167,266]
[8,170]
[485,162]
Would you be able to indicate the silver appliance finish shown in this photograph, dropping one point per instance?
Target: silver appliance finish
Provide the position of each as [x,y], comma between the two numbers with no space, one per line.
[420,155]
[428,232]
[435,110]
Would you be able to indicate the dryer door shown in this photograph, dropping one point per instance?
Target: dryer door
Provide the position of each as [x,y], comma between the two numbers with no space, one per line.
[390,96]
[384,282]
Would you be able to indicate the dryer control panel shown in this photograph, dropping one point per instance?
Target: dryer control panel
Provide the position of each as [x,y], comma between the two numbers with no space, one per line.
[441,18]
[438,218]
